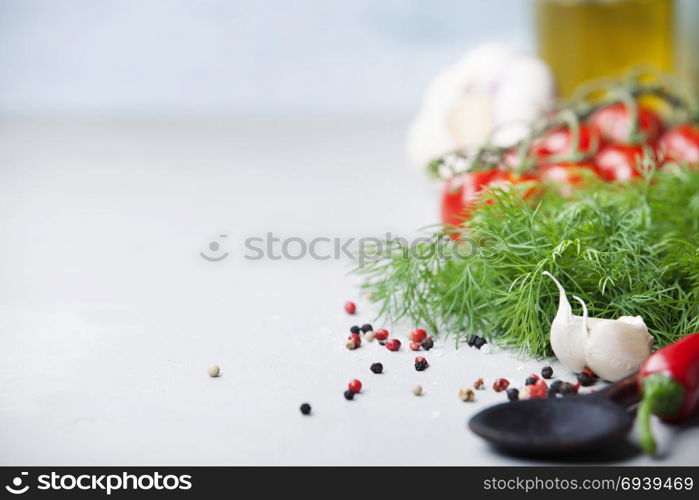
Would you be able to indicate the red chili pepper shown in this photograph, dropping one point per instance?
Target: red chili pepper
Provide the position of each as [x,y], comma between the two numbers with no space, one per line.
[669,384]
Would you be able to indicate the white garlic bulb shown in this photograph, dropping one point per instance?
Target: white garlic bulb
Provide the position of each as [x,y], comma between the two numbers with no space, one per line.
[611,348]
[492,87]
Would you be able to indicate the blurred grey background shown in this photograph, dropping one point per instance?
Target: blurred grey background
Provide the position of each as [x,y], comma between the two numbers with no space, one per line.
[238,57]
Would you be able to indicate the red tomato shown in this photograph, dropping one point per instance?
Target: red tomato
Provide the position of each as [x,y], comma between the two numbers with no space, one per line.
[619,162]
[614,123]
[681,143]
[567,173]
[559,141]
[460,193]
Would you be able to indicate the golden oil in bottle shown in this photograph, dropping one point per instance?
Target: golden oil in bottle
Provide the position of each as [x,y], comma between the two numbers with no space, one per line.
[586,39]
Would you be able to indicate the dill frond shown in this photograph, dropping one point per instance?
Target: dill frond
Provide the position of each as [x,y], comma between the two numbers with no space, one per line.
[627,249]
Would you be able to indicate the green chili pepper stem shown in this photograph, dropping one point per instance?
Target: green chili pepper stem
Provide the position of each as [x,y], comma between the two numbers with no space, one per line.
[662,396]
[646,439]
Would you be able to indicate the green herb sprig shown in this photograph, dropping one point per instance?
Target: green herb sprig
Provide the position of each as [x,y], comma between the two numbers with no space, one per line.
[627,249]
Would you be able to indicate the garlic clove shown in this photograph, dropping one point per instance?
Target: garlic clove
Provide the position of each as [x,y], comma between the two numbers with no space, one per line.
[632,320]
[564,308]
[616,348]
[567,338]
[612,348]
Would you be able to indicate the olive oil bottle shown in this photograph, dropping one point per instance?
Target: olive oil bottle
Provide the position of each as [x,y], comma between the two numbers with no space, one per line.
[586,39]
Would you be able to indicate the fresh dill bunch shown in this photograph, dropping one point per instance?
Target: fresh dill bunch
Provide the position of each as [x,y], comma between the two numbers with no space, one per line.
[627,249]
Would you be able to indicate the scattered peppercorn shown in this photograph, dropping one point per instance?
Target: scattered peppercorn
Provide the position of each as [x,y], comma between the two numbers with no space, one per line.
[479,384]
[393,344]
[512,394]
[354,385]
[480,342]
[381,334]
[567,389]
[350,344]
[349,395]
[539,389]
[467,395]
[500,384]
[376,367]
[417,390]
[350,307]
[369,335]
[427,344]
[366,327]
[418,335]
[355,329]
[213,370]
[472,340]
[555,385]
[530,381]
[354,337]
[305,408]
[414,346]
[547,372]
[421,364]
[585,379]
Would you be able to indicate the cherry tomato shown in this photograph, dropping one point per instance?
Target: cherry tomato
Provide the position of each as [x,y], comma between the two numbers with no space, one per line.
[567,173]
[460,192]
[559,141]
[613,123]
[681,143]
[619,162]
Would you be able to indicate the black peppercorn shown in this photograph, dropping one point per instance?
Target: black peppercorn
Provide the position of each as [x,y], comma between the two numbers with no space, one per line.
[512,394]
[349,395]
[305,408]
[480,342]
[547,372]
[354,329]
[376,367]
[586,379]
[427,344]
[567,389]
[367,328]
[472,340]
[555,385]
[530,381]
[421,365]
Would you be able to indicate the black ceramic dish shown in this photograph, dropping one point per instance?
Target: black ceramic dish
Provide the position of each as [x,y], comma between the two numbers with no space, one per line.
[560,426]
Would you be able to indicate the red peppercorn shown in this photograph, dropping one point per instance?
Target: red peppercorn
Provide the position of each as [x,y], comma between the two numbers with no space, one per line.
[350,308]
[421,364]
[539,390]
[500,384]
[418,335]
[356,339]
[534,376]
[381,334]
[393,344]
[415,346]
[354,385]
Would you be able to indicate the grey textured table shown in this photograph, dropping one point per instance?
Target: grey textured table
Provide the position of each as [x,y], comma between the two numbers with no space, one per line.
[109,317]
